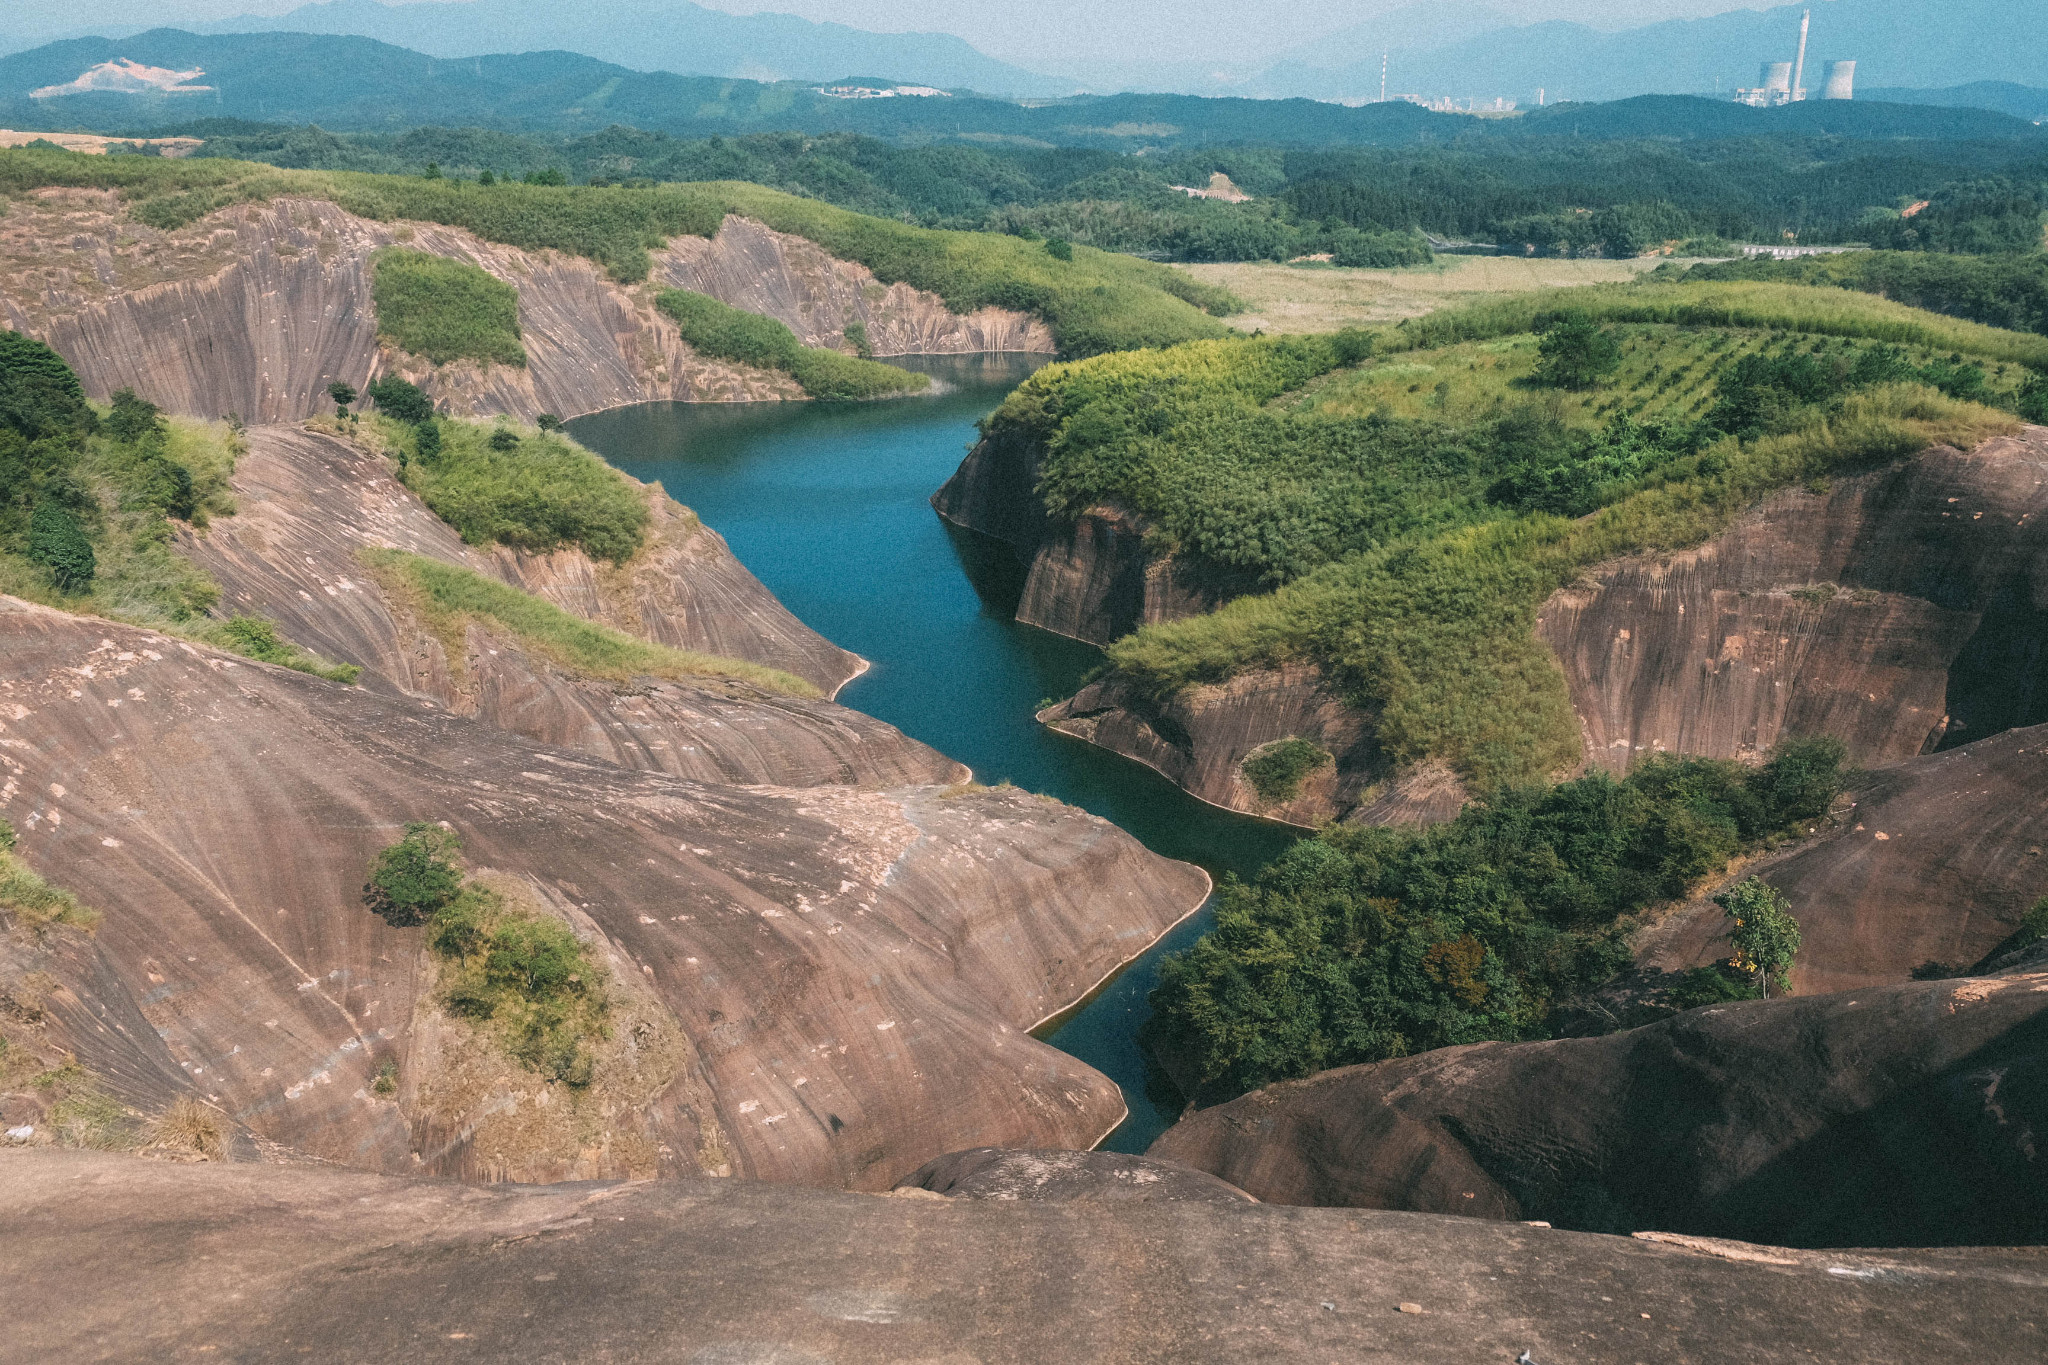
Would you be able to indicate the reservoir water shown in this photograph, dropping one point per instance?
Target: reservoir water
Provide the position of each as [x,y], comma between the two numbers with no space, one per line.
[828,505]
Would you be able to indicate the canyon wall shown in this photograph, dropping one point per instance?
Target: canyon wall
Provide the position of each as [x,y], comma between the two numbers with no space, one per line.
[1900,609]
[256,308]
[822,985]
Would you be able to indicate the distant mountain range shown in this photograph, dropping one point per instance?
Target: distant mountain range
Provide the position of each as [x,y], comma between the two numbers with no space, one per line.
[358,84]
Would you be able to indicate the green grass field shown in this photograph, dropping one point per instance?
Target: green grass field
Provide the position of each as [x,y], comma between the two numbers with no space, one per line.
[444,309]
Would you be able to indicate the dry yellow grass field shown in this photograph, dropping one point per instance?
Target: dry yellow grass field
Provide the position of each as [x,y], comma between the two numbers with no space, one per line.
[1299,298]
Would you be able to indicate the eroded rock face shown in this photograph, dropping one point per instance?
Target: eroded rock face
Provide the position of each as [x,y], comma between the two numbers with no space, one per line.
[1201,738]
[797,282]
[309,502]
[130,1255]
[1936,861]
[823,986]
[255,309]
[1060,1177]
[1904,1115]
[1901,610]
[1095,580]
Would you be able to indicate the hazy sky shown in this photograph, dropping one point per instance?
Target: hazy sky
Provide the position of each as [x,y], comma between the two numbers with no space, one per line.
[1036,31]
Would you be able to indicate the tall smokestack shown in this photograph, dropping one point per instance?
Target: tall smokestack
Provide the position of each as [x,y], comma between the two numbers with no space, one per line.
[1383,77]
[1841,81]
[1799,70]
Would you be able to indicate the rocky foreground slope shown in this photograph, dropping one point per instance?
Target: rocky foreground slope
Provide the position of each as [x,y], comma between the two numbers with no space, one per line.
[1900,609]
[823,985]
[149,1261]
[256,308]
[1902,1115]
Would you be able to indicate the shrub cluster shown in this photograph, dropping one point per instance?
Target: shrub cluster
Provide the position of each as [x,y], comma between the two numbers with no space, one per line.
[523,974]
[726,333]
[445,309]
[32,902]
[1277,770]
[1366,943]
[538,493]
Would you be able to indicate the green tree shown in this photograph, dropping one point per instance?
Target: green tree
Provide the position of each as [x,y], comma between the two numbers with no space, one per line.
[132,417]
[56,541]
[1059,248]
[1765,935]
[416,877]
[343,395]
[547,176]
[1576,353]
[397,399]
[547,421]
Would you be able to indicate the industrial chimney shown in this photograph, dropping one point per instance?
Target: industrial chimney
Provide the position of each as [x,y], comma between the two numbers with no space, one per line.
[1798,82]
[1841,81]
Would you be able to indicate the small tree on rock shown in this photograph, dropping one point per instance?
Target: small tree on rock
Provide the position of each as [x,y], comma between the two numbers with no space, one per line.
[343,395]
[1766,937]
[415,877]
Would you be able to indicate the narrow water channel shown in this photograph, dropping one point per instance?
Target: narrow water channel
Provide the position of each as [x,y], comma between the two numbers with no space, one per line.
[828,505]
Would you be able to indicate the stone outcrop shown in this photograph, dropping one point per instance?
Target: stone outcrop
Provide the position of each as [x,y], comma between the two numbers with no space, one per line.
[822,985]
[148,1261]
[1936,861]
[1200,739]
[1904,1115]
[1060,1177]
[256,308]
[1901,610]
[750,265]
[308,502]
[1094,580]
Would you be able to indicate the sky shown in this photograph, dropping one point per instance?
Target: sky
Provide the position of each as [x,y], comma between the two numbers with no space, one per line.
[1045,34]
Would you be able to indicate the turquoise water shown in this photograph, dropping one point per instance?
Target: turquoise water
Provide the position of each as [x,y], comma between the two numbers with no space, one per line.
[829,506]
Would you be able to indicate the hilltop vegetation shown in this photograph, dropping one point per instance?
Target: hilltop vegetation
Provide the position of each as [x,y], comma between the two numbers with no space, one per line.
[1094,302]
[2009,291]
[1399,521]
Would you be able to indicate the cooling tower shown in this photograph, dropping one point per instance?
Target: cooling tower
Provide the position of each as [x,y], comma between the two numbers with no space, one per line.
[1776,77]
[1841,81]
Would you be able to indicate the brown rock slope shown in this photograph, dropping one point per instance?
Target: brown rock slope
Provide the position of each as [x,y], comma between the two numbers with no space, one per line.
[256,308]
[148,1261]
[1902,1115]
[1900,610]
[1936,862]
[826,986]
[309,502]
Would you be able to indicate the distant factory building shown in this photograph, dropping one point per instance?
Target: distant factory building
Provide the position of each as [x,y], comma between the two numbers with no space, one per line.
[1785,82]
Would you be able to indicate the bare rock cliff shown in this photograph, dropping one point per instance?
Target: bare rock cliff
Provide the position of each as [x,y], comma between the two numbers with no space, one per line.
[309,502]
[1900,610]
[1898,1116]
[131,1256]
[825,986]
[255,309]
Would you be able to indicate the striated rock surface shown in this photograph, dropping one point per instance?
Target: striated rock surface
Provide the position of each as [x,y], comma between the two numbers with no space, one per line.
[308,502]
[797,282]
[1200,738]
[1062,1177]
[824,986]
[1900,1115]
[1901,610]
[131,1256]
[1936,862]
[256,308]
